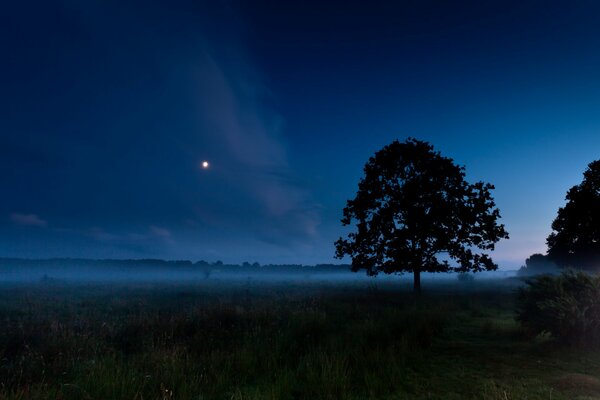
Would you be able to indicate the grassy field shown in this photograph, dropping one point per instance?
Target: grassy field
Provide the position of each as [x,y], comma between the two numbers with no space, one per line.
[249,340]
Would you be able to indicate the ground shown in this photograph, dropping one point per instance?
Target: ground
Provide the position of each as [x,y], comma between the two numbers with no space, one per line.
[286,340]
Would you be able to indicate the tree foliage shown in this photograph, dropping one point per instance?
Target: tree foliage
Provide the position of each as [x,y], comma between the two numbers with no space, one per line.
[415,212]
[575,240]
[537,264]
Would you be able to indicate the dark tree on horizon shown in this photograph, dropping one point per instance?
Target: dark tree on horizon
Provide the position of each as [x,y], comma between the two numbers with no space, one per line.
[537,264]
[414,206]
[575,240]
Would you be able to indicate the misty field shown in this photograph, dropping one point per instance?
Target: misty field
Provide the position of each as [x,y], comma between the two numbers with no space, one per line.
[250,340]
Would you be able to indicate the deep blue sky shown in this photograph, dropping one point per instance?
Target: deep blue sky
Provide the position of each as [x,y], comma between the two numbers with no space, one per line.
[107,109]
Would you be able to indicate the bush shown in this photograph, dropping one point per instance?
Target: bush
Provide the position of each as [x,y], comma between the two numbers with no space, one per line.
[566,306]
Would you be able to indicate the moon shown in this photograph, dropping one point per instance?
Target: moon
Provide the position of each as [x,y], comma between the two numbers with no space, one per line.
[205,164]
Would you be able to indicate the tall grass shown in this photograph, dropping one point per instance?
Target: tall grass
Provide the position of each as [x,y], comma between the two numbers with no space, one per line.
[250,342]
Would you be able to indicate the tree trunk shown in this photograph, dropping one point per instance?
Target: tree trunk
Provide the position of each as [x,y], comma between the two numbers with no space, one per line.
[417,281]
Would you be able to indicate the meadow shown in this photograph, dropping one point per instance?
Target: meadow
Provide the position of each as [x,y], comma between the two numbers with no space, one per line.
[280,340]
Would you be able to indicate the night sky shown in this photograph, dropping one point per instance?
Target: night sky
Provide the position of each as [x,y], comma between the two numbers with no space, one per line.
[108,108]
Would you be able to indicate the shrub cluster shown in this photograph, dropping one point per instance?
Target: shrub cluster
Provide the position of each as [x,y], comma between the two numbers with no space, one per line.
[566,306]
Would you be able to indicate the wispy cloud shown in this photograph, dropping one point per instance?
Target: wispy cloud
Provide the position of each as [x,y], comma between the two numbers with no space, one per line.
[160,232]
[28,220]
[101,235]
[203,98]
[234,107]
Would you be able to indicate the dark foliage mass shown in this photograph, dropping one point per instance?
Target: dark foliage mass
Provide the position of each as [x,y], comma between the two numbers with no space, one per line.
[414,211]
[566,306]
[575,240]
[537,264]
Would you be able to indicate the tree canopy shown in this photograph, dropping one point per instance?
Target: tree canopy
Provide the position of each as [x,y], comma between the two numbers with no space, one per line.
[575,237]
[537,264]
[415,212]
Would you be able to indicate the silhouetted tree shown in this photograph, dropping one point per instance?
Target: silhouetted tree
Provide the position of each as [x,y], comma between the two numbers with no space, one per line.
[537,264]
[575,240]
[412,206]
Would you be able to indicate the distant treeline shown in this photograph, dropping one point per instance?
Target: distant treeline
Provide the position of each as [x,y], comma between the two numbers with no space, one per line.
[83,263]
